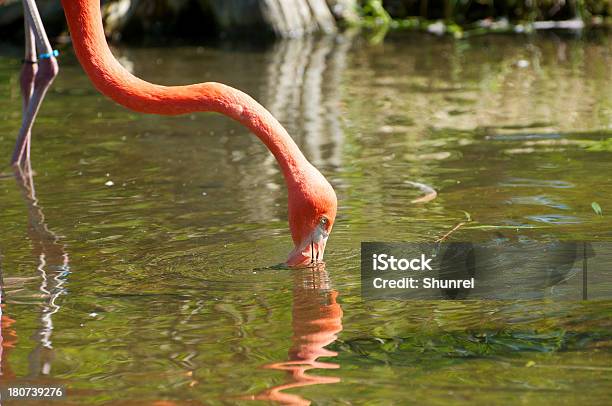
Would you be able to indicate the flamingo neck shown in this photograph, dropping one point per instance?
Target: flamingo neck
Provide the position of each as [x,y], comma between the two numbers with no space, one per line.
[113,80]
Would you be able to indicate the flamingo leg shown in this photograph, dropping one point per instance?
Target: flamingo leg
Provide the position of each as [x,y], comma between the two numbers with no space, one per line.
[26,80]
[36,78]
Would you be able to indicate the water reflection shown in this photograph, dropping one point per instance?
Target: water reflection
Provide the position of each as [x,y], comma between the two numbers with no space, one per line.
[53,266]
[302,90]
[8,335]
[317,319]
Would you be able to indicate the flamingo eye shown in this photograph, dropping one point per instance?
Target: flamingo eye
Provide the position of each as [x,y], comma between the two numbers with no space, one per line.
[324,221]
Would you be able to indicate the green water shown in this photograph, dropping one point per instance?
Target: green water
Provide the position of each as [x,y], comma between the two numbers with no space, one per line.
[161,286]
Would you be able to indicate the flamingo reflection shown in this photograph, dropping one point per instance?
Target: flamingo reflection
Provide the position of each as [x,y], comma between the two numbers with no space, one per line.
[8,335]
[317,319]
[53,266]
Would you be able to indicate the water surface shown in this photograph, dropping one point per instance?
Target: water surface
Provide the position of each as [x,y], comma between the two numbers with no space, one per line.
[162,286]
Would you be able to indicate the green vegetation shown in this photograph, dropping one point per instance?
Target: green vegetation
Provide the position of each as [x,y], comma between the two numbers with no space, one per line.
[597,208]
[466,17]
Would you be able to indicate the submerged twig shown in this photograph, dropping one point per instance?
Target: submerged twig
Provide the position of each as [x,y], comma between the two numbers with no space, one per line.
[445,236]
[457,227]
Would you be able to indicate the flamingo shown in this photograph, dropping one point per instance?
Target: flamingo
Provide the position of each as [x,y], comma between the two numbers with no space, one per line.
[312,202]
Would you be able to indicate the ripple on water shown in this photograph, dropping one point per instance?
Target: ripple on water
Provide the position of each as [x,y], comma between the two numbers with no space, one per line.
[523,137]
[539,200]
[555,219]
[536,183]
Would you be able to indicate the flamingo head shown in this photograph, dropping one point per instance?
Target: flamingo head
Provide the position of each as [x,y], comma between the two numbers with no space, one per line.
[312,211]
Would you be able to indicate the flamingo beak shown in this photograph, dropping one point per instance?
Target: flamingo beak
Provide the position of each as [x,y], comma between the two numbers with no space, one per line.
[311,250]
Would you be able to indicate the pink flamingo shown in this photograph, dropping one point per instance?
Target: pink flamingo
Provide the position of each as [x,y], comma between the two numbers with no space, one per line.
[312,201]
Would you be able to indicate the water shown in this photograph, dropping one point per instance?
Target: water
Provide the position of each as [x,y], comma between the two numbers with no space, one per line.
[163,286]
